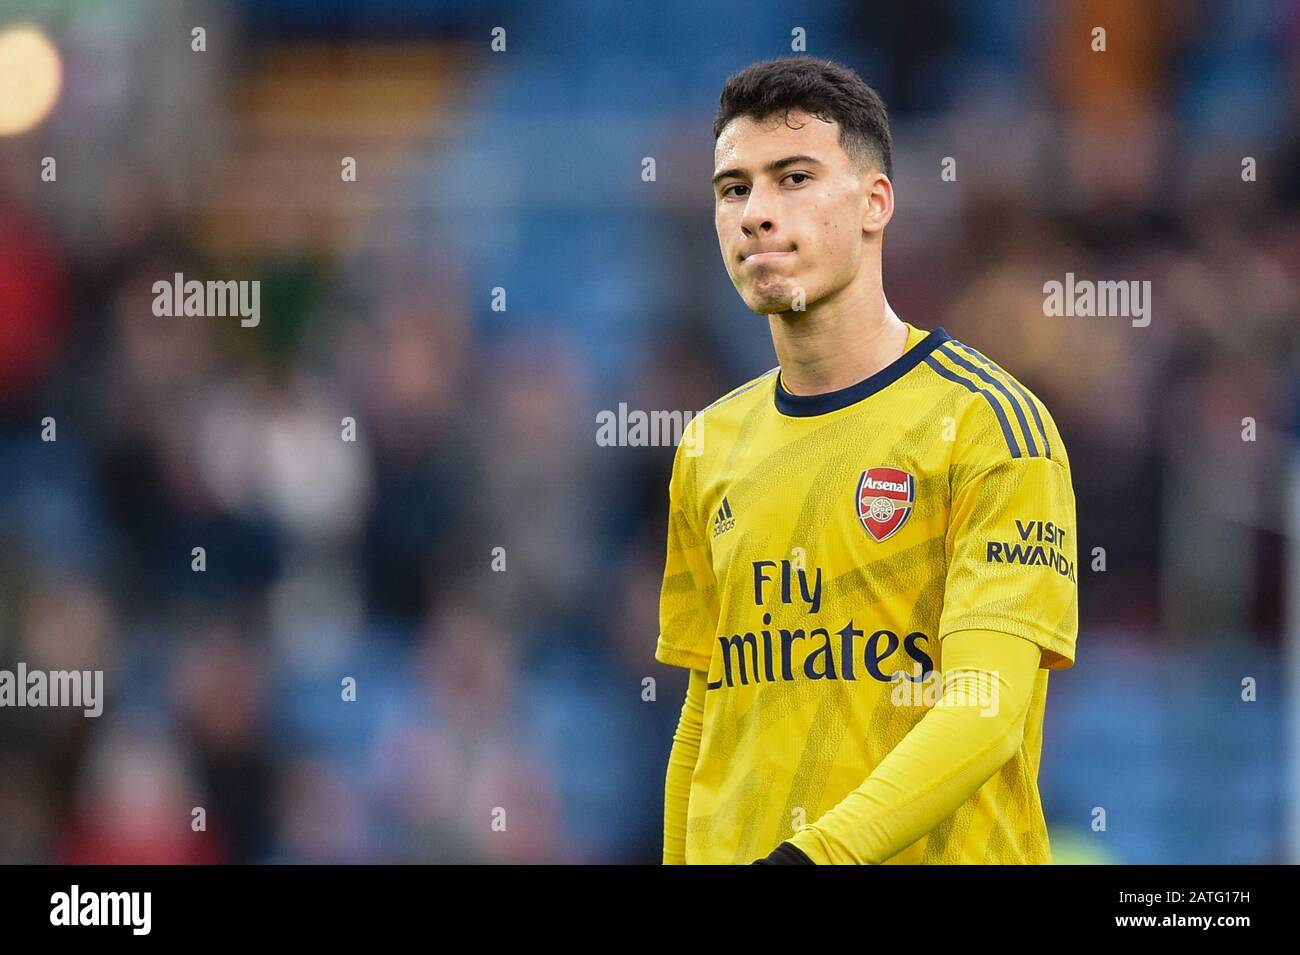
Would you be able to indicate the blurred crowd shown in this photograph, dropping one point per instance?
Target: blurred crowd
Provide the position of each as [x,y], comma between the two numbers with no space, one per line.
[482,569]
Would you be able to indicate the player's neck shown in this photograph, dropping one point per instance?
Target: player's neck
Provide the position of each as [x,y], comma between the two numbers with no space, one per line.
[836,344]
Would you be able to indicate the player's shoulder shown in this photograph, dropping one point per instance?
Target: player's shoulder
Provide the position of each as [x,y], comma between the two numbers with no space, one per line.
[751,387]
[717,424]
[724,414]
[1000,417]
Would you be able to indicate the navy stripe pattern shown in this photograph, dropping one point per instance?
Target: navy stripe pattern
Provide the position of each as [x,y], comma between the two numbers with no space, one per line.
[1033,406]
[975,389]
[956,359]
[977,375]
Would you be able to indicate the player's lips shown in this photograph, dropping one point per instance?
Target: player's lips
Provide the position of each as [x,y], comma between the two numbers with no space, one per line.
[764,256]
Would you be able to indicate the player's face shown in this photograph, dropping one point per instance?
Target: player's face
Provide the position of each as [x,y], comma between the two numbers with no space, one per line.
[789,212]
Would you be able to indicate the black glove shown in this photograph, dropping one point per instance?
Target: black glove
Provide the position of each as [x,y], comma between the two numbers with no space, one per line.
[785,854]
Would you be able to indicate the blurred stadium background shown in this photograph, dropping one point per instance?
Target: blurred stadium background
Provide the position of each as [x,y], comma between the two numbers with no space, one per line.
[521,170]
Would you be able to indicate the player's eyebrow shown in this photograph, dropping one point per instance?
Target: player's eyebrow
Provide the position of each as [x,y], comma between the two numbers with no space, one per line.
[774,166]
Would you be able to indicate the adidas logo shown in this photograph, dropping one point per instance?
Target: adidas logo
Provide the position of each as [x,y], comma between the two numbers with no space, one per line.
[724,521]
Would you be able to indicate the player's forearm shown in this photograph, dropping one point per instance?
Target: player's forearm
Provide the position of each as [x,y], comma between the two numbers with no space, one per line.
[681,766]
[941,762]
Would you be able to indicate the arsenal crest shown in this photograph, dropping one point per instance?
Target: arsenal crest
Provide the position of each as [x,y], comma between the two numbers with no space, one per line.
[885,498]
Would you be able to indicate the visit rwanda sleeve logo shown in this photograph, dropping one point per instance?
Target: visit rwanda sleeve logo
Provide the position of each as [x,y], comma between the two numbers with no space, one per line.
[884,500]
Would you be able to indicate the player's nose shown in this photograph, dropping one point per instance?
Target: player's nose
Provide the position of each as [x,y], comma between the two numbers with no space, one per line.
[759,218]
[757,222]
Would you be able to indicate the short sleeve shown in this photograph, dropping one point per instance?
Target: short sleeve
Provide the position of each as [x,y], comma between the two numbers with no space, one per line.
[1012,555]
[688,601]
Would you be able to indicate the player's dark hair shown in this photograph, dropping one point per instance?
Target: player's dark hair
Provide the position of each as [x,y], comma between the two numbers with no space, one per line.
[821,88]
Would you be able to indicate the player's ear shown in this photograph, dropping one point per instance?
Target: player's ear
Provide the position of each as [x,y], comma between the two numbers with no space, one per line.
[878,201]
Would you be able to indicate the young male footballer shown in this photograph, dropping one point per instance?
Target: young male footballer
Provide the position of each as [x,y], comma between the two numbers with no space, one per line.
[871,547]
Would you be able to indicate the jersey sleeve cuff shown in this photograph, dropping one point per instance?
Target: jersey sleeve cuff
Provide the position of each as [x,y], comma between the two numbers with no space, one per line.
[679,657]
[1058,652]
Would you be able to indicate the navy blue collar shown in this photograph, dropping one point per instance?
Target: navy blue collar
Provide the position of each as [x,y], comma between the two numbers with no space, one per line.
[805,406]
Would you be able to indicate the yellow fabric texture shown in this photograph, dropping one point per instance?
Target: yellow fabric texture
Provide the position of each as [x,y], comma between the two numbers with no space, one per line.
[973,730]
[681,764]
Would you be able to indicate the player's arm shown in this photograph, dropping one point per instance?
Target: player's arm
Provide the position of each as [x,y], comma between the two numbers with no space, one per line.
[688,613]
[976,726]
[681,765]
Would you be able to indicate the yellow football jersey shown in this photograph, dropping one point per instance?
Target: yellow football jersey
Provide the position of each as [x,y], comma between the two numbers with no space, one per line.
[819,550]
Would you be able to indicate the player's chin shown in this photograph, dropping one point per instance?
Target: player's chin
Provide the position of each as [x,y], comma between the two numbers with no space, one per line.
[769,301]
